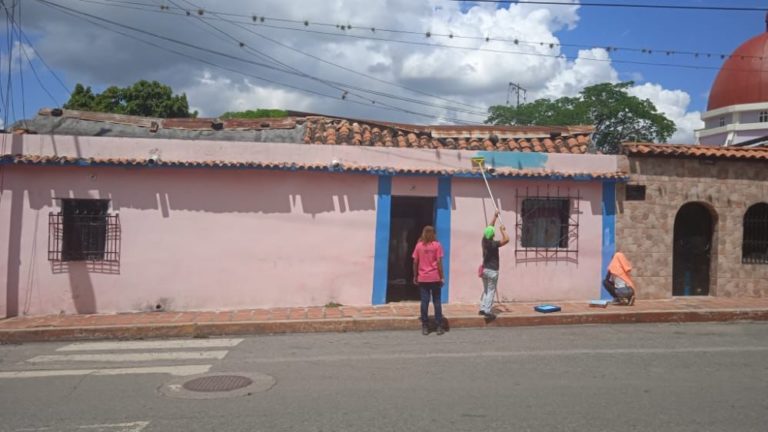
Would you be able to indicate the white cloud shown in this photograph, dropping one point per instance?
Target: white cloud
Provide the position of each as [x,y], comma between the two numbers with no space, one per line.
[674,105]
[97,57]
[19,55]
[583,72]
[221,94]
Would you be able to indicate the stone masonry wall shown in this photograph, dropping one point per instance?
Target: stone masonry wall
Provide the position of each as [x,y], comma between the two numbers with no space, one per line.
[645,229]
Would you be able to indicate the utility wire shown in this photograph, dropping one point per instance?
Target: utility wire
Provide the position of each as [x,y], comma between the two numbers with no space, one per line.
[345,89]
[428,34]
[373,102]
[360,89]
[628,5]
[20,45]
[10,106]
[23,49]
[83,15]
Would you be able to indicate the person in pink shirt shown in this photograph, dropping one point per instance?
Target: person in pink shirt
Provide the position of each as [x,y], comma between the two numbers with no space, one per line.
[428,276]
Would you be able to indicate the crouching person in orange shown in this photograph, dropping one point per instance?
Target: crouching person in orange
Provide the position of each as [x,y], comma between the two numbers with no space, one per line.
[618,282]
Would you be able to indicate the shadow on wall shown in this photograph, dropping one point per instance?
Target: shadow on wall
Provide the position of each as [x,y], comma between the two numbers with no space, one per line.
[80,283]
[167,190]
[212,191]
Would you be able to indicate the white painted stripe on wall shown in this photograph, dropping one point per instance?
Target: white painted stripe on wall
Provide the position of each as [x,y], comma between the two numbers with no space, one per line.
[130,357]
[159,344]
[186,370]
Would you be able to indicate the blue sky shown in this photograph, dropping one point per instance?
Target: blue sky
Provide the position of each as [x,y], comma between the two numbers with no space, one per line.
[81,52]
[684,30]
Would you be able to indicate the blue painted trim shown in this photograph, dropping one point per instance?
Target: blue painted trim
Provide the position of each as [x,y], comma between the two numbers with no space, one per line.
[443,228]
[609,232]
[381,248]
[516,160]
[377,171]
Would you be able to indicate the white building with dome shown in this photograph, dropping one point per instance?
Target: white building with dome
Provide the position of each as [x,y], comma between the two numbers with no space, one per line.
[737,110]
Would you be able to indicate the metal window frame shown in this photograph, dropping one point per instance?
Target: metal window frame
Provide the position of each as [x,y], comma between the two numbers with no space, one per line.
[112,239]
[546,254]
[755,235]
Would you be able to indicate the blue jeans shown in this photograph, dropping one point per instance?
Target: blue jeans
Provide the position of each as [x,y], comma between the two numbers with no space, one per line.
[432,289]
[490,279]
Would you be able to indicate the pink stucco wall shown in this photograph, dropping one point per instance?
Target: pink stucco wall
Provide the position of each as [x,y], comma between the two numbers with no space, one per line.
[194,239]
[184,150]
[518,280]
[212,239]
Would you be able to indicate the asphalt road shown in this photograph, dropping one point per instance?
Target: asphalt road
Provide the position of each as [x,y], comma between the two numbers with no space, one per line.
[693,377]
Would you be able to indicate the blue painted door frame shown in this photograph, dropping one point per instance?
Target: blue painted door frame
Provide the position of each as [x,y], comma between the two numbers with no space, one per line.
[383,222]
[609,231]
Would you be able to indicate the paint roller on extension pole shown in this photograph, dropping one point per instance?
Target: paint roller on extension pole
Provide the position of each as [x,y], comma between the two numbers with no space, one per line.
[479,163]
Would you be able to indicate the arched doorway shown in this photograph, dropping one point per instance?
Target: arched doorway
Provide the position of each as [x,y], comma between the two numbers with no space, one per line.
[692,255]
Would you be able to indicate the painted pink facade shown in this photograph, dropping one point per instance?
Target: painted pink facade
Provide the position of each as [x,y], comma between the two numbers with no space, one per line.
[218,238]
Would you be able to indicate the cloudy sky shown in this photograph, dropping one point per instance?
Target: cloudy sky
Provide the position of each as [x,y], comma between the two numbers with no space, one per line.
[369,59]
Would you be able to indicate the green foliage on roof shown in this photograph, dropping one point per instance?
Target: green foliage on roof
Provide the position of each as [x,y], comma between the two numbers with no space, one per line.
[254,114]
[144,98]
[616,115]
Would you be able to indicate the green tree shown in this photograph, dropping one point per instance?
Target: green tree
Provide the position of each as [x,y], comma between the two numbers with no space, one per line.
[616,115]
[254,114]
[144,98]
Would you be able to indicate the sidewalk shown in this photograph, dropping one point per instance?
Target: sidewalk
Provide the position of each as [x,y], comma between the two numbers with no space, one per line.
[399,316]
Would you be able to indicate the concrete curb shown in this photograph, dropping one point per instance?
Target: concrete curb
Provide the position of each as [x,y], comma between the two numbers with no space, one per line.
[180,330]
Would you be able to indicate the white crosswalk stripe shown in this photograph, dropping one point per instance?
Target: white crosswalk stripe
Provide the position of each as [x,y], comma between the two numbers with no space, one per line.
[159,344]
[133,357]
[130,357]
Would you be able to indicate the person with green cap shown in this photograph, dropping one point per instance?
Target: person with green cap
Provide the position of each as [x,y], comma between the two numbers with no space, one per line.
[490,273]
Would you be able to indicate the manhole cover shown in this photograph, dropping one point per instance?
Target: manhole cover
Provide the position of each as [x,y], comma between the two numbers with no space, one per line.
[218,383]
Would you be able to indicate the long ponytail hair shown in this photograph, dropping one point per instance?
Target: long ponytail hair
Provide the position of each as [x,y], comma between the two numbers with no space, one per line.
[428,235]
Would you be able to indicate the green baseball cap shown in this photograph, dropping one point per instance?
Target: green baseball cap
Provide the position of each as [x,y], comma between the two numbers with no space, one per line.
[489,232]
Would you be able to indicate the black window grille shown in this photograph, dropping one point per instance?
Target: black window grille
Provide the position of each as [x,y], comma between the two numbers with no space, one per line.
[547,225]
[754,247]
[84,231]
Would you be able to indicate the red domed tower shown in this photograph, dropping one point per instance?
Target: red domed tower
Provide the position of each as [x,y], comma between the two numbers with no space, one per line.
[737,112]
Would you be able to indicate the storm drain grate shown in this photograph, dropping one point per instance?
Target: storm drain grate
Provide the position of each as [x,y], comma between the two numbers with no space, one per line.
[218,383]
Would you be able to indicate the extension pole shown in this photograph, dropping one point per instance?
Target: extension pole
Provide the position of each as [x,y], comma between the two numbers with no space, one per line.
[488,186]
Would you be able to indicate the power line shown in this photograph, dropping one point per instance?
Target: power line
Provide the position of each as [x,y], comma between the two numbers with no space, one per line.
[82,15]
[427,34]
[289,70]
[369,91]
[21,74]
[262,22]
[629,5]
[344,88]
[29,60]
[357,72]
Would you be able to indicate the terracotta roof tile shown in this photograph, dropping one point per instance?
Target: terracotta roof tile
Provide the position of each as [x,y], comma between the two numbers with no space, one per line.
[37,160]
[696,151]
[342,131]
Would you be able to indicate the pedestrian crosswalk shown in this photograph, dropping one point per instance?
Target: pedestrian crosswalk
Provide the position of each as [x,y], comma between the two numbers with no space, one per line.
[173,357]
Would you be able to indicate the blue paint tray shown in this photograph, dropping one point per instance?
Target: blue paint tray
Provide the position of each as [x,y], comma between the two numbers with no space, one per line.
[546,308]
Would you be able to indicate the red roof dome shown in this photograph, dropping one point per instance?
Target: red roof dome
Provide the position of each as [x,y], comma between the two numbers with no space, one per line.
[744,76]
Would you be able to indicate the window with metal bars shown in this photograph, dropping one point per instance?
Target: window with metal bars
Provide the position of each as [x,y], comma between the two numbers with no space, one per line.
[84,231]
[754,246]
[763,117]
[547,225]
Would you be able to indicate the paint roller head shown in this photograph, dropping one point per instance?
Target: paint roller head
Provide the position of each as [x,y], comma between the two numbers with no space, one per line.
[478,163]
